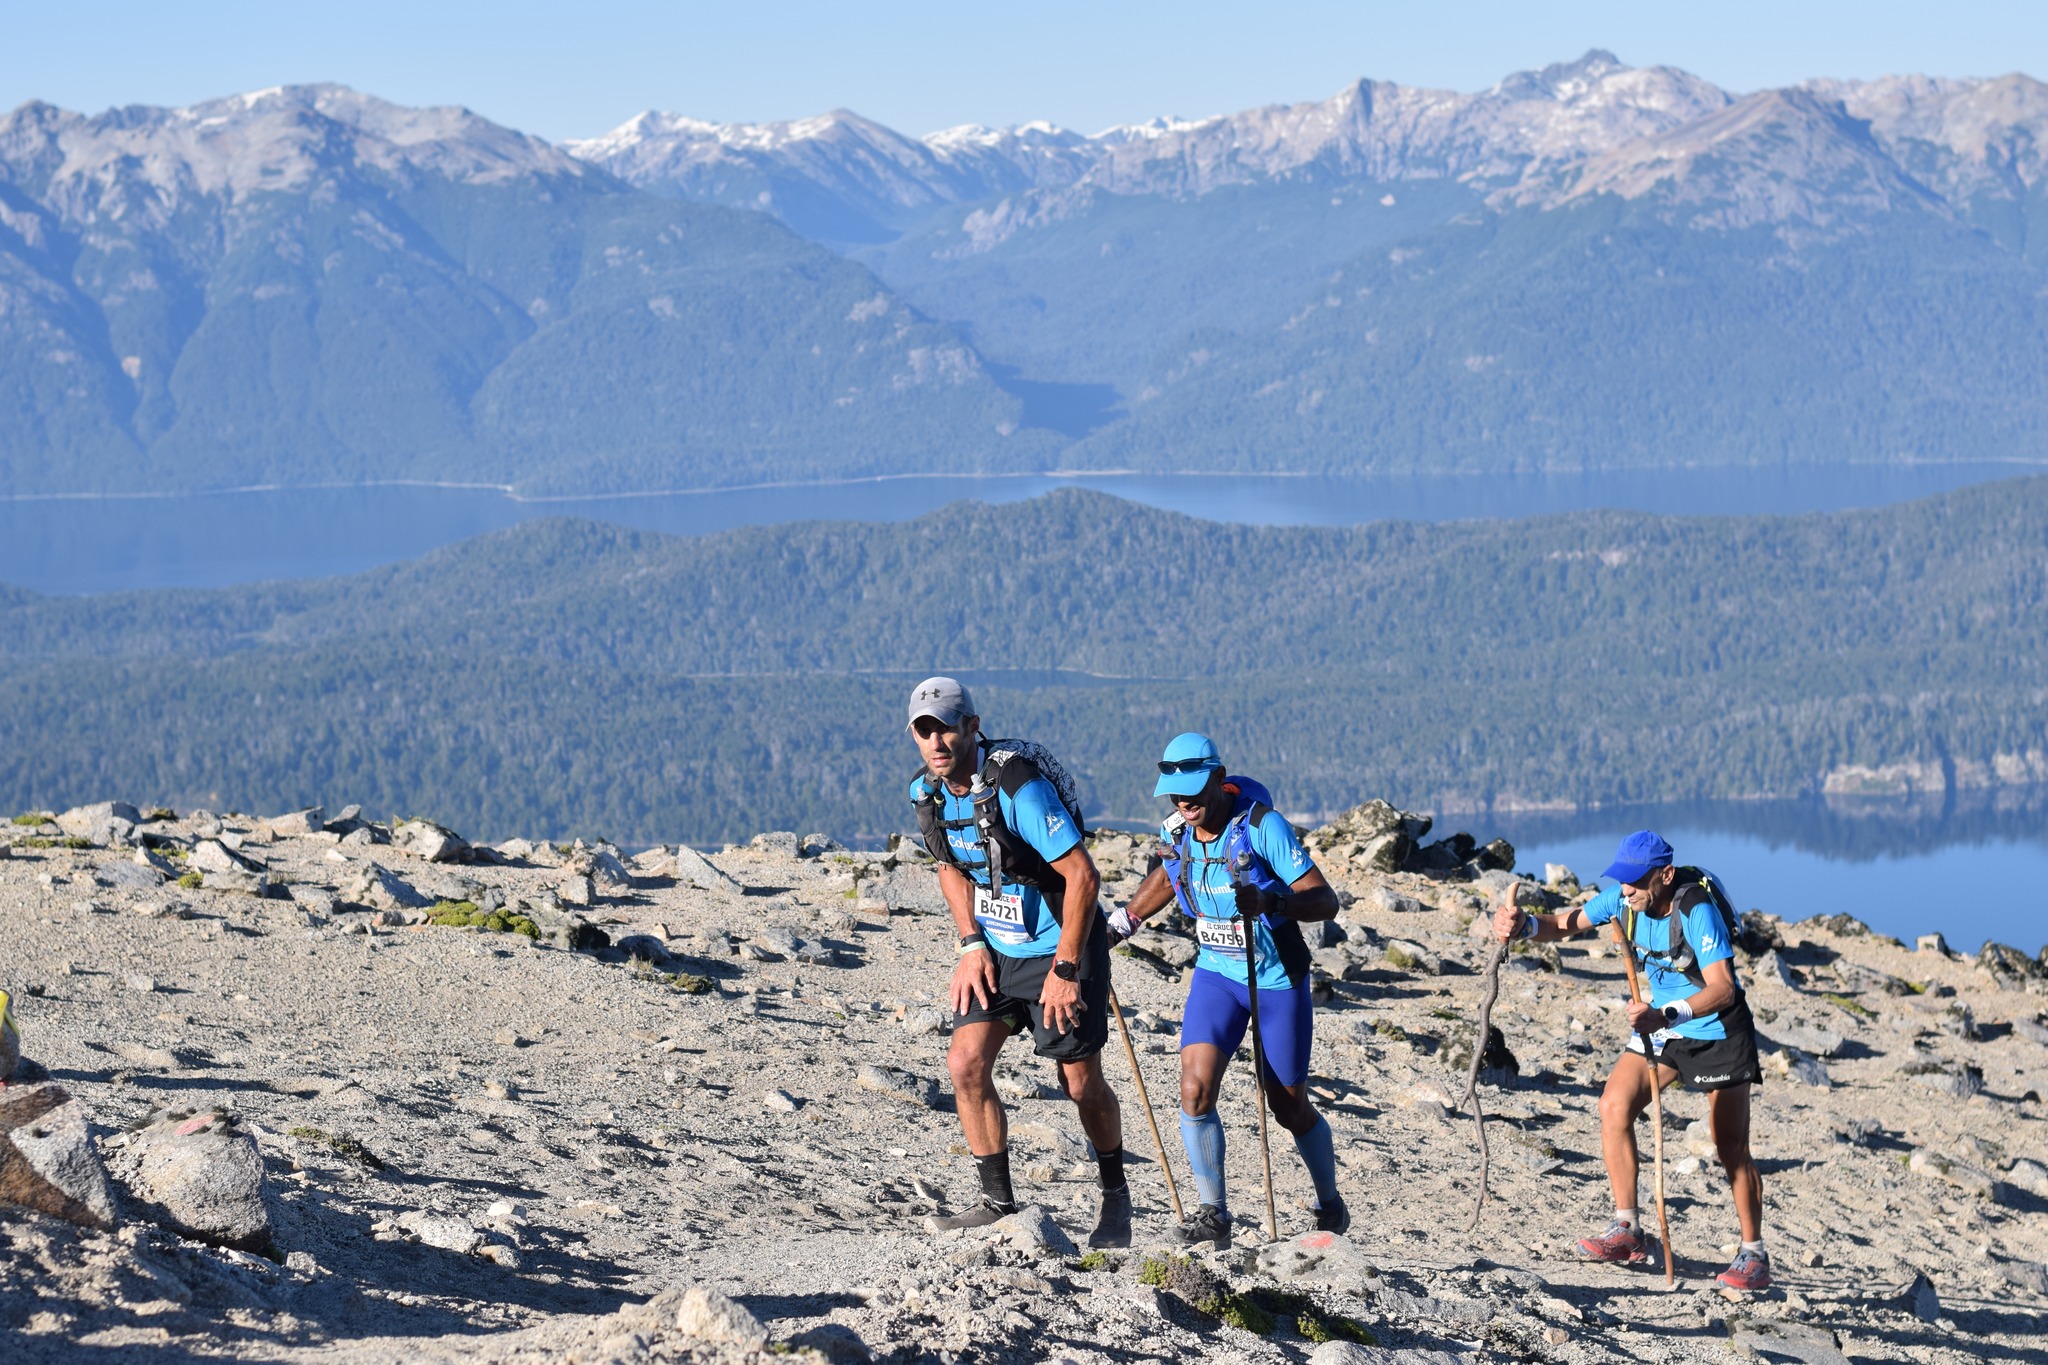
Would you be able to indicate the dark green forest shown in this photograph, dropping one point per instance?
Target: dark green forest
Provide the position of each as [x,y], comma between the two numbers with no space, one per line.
[567,676]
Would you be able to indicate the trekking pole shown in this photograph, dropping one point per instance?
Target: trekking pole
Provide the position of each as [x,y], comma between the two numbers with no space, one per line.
[1251,980]
[1146,1101]
[1635,994]
[1479,1045]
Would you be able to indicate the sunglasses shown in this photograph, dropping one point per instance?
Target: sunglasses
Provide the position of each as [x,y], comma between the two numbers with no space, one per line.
[1186,765]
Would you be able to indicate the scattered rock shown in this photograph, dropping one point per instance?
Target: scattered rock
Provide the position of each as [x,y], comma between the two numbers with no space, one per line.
[1933,943]
[780,1101]
[378,888]
[1958,1173]
[47,1159]
[426,840]
[211,856]
[1387,901]
[710,1316]
[897,1085]
[1954,1079]
[312,820]
[1790,1033]
[1919,1298]
[198,1175]
[1409,956]
[443,1231]
[1776,1339]
[1033,1229]
[107,823]
[129,876]
[693,869]
[575,890]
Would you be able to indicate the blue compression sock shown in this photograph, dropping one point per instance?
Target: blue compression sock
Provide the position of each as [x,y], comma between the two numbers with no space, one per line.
[1319,1153]
[1203,1138]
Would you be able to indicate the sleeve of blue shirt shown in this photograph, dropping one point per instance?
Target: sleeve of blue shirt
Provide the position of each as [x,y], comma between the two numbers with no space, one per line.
[1041,821]
[1703,931]
[1275,840]
[1603,907]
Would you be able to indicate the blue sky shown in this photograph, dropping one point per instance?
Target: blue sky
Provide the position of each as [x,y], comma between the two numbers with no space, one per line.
[565,70]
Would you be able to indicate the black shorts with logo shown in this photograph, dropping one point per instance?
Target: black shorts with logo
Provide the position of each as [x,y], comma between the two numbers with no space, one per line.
[1019,980]
[1714,1063]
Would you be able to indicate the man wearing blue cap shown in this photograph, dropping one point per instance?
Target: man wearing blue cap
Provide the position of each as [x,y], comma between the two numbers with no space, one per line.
[1224,834]
[1003,822]
[1679,925]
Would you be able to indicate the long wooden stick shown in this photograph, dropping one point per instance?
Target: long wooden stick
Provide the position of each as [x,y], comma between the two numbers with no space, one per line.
[1635,993]
[1143,1099]
[1485,1036]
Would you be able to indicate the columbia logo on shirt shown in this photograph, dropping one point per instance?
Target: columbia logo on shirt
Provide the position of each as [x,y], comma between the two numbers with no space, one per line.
[1053,824]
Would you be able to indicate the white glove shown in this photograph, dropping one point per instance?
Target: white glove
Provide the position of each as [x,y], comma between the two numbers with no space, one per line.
[1121,926]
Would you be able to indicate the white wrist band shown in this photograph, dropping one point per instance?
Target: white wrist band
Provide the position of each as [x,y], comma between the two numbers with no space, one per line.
[1677,1012]
[1530,928]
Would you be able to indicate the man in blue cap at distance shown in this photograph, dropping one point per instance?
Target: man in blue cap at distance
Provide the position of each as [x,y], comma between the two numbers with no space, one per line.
[1224,832]
[1679,924]
[1002,821]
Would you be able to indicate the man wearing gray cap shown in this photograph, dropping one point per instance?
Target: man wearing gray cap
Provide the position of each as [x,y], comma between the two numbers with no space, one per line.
[1001,819]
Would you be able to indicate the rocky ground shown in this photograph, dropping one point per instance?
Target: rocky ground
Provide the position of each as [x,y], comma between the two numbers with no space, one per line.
[685,1107]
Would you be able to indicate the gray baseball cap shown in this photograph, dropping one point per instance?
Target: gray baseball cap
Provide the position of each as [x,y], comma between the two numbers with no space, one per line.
[942,698]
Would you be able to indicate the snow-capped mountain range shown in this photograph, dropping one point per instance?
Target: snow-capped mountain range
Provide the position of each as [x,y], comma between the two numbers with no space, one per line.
[1530,137]
[1590,264]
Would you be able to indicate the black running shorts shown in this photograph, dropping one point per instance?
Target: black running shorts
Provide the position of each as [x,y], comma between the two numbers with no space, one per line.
[1018,983]
[1714,1063]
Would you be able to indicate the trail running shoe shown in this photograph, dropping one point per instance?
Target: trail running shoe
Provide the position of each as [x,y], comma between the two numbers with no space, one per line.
[1113,1225]
[1749,1270]
[980,1216]
[1619,1242]
[1210,1224]
[1333,1217]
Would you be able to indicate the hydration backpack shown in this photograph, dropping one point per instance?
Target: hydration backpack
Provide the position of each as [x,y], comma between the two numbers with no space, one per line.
[1007,766]
[1252,807]
[1681,957]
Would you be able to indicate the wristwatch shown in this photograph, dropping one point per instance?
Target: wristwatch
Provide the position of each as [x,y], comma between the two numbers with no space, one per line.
[1066,971]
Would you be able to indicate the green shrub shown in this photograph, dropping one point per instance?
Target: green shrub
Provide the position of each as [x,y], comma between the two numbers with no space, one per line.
[192,881]
[30,819]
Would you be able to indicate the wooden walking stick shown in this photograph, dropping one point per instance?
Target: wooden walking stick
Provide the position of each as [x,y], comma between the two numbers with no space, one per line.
[1479,1045]
[1251,978]
[1150,1122]
[1635,993]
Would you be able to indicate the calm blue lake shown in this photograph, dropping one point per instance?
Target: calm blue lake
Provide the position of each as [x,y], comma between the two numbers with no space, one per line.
[1975,870]
[212,539]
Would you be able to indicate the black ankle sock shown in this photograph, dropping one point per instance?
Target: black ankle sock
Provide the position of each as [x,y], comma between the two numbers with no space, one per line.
[994,1171]
[1110,1167]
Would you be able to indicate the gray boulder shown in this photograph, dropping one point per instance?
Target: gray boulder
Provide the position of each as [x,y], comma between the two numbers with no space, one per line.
[201,1177]
[1031,1228]
[211,856]
[47,1159]
[1386,900]
[444,1231]
[309,821]
[693,869]
[109,822]
[378,888]
[128,876]
[426,840]
[897,1084]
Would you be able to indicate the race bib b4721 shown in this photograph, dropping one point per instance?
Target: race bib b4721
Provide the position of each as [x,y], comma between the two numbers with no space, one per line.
[1001,916]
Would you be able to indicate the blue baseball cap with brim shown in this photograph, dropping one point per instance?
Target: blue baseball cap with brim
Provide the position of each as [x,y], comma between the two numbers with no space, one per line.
[1638,855]
[1185,766]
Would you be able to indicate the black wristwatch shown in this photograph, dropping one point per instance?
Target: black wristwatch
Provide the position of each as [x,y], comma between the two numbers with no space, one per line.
[1066,971]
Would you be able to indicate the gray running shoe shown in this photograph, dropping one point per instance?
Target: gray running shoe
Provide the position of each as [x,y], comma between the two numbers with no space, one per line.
[1210,1224]
[1113,1226]
[980,1216]
[1333,1217]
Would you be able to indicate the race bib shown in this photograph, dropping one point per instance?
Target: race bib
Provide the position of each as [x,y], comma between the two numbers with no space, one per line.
[1001,916]
[1226,936]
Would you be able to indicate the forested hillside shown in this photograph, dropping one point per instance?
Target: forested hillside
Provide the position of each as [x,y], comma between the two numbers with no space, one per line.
[573,674]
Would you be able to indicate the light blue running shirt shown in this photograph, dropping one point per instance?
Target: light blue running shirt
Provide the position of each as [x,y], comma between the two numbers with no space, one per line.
[1017,923]
[1705,935]
[1215,899]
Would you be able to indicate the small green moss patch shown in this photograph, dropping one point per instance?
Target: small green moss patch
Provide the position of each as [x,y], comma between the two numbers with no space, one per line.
[689,984]
[30,819]
[192,881]
[1855,1007]
[1097,1260]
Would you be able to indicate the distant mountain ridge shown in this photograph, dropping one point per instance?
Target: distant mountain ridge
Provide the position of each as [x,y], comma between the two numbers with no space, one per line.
[307,284]
[565,674]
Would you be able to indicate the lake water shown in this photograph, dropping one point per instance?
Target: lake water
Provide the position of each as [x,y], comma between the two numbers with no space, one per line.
[1973,870]
[91,545]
